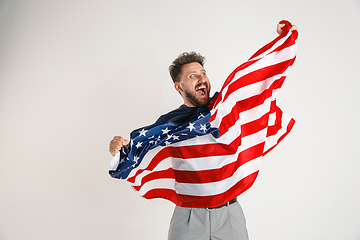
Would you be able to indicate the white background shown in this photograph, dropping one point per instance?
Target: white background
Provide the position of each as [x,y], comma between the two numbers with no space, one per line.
[74,73]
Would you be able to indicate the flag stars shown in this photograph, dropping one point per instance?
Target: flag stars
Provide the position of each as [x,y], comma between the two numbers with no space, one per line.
[143,132]
[136,159]
[175,137]
[165,131]
[138,144]
[157,139]
[152,141]
[201,115]
[167,143]
[191,126]
[123,160]
[203,127]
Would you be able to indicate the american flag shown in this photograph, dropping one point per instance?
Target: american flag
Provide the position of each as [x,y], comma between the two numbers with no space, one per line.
[216,155]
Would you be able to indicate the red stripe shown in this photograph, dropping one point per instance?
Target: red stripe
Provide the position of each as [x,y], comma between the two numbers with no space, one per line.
[288,129]
[164,174]
[268,46]
[232,75]
[206,201]
[253,77]
[272,130]
[224,172]
[230,119]
[185,152]
[288,42]
[258,76]
[205,176]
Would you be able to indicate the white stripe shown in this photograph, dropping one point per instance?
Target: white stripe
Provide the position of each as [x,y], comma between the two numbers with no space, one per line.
[204,189]
[161,183]
[273,140]
[245,117]
[276,45]
[239,95]
[252,89]
[161,166]
[214,188]
[144,164]
[215,162]
[269,60]
[203,163]
[276,91]
[199,140]
[272,119]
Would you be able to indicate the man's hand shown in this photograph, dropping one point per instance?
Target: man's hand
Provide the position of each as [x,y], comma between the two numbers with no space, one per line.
[282,24]
[116,144]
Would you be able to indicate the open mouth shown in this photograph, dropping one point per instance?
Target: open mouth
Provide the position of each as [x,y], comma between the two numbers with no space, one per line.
[201,90]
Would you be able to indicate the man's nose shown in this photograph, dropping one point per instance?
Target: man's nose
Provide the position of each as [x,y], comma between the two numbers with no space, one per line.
[201,78]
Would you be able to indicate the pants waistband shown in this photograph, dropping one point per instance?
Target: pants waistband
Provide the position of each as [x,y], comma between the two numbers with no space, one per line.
[225,204]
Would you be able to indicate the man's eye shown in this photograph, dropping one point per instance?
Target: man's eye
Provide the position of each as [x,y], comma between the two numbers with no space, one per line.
[192,75]
[203,74]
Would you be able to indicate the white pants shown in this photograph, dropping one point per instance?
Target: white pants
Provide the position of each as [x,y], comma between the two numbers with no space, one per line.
[226,223]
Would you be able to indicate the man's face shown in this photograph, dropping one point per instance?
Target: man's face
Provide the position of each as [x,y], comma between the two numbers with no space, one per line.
[194,85]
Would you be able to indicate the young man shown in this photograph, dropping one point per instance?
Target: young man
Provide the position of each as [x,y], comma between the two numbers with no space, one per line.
[226,221]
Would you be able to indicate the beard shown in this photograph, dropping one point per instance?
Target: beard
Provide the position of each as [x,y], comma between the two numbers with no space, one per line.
[195,100]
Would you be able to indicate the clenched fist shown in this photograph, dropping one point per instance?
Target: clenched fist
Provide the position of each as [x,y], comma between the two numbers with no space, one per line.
[116,144]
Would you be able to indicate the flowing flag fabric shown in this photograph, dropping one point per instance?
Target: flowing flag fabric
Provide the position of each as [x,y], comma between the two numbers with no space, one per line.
[216,155]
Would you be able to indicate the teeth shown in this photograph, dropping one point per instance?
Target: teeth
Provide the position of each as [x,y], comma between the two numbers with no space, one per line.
[201,87]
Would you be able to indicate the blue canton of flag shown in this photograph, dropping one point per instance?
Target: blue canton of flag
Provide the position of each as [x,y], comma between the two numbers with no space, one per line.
[144,139]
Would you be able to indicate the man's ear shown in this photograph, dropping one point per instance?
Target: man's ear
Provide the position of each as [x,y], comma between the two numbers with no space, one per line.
[177,87]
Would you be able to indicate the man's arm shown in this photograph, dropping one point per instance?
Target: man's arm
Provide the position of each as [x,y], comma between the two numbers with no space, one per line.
[116,144]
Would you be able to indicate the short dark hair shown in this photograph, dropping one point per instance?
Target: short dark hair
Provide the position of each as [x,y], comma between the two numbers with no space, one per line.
[181,60]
